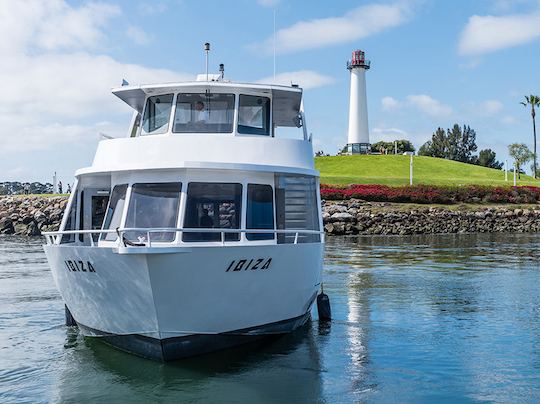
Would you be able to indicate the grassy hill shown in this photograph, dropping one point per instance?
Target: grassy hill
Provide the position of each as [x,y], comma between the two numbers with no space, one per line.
[394,170]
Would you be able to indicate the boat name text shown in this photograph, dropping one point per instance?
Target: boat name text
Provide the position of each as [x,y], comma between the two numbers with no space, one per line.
[79,266]
[252,264]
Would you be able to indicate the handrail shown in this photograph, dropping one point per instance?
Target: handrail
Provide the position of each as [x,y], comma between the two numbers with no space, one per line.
[53,237]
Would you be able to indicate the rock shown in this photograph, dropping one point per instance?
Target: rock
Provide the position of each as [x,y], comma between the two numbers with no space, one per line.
[6,226]
[33,229]
[342,217]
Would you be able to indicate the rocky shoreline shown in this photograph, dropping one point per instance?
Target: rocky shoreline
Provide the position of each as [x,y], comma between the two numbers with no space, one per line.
[31,215]
[359,217]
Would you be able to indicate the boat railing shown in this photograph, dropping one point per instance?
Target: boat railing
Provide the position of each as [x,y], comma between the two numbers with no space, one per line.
[55,237]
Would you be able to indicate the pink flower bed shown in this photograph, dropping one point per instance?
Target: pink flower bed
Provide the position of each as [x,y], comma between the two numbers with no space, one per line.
[433,194]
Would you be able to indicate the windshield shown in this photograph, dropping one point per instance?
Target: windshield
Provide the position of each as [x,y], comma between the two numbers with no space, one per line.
[204,113]
[156,114]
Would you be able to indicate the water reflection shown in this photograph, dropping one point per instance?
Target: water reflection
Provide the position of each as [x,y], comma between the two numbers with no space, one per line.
[421,318]
[275,370]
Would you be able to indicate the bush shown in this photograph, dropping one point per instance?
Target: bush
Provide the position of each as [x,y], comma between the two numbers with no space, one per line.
[433,194]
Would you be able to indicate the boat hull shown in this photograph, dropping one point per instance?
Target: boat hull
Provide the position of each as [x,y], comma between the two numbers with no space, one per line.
[191,301]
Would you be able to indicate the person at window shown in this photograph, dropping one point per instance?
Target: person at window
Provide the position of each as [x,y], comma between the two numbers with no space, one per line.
[201,114]
[206,221]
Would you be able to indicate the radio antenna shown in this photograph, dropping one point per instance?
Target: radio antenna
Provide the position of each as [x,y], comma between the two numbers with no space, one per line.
[207,50]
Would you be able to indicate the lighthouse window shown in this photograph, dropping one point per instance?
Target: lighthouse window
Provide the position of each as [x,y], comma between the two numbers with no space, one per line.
[114,211]
[260,211]
[151,206]
[156,114]
[212,206]
[204,113]
[296,207]
[254,115]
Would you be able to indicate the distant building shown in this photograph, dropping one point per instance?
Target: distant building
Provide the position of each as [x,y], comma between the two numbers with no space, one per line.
[358,134]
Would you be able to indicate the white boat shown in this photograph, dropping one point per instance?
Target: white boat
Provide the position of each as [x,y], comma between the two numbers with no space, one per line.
[198,231]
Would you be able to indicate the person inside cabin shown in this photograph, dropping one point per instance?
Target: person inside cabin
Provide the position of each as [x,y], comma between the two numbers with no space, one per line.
[205,220]
[201,114]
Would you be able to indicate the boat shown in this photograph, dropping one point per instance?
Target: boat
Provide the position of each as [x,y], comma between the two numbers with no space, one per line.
[201,228]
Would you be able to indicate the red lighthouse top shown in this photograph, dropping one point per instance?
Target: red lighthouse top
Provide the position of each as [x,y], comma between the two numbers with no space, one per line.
[358,60]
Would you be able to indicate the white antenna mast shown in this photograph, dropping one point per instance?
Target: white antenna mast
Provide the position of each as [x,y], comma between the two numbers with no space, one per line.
[207,50]
[274,45]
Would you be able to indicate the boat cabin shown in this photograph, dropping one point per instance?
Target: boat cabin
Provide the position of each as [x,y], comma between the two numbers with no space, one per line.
[201,164]
[216,108]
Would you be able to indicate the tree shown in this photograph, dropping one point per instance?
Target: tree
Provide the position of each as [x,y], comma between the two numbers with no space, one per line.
[403,146]
[533,101]
[487,158]
[520,153]
[453,144]
[437,146]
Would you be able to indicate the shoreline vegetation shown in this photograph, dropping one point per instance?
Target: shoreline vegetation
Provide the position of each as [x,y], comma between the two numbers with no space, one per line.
[29,215]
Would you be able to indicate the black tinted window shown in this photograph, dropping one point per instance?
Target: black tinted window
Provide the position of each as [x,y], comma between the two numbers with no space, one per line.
[213,205]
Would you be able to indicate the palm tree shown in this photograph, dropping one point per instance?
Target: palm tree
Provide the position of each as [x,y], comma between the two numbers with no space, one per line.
[533,101]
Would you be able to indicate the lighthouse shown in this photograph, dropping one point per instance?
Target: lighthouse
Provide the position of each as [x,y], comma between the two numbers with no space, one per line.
[358,135]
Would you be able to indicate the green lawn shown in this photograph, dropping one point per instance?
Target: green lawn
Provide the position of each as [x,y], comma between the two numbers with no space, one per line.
[394,170]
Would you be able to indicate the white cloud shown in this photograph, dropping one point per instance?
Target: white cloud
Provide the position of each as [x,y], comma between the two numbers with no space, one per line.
[509,120]
[137,35]
[508,5]
[485,34]
[51,25]
[358,23]
[306,79]
[429,105]
[491,107]
[268,3]
[485,108]
[152,8]
[53,96]
[390,103]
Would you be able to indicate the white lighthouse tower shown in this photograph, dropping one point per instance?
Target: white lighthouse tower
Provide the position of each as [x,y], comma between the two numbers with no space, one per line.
[358,136]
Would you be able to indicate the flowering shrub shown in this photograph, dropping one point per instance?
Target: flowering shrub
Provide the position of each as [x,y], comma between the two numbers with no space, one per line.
[432,193]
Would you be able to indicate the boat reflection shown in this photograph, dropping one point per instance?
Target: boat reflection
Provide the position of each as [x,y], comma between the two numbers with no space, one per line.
[285,369]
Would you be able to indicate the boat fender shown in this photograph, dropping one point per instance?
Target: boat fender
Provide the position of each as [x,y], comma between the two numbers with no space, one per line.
[70,321]
[323,307]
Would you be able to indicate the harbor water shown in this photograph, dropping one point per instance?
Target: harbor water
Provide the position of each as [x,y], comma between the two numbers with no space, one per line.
[427,318]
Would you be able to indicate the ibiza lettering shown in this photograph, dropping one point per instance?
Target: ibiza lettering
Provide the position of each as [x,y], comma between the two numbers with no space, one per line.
[79,266]
[249,264]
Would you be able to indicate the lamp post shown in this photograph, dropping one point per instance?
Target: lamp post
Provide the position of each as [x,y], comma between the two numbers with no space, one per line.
[411,170]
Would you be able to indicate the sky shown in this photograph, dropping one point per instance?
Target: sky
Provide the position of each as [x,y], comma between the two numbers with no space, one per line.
[433,63]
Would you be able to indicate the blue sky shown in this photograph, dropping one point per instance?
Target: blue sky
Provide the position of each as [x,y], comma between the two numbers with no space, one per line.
[434,63]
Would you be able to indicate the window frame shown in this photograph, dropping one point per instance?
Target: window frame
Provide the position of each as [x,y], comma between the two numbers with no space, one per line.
[254,132]
[141,131]
[260,236]
[177,211]
[103,236]
[234,106]
[240,216]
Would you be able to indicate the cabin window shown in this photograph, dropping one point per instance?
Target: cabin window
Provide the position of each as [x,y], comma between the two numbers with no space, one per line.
[151,206]
[260,211]
[296,207]
[204,113]
[71,222]
[254,115]
[212,206]
[113,216]
[156,114]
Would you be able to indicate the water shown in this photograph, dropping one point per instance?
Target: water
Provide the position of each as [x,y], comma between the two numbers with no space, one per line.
[441,319]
